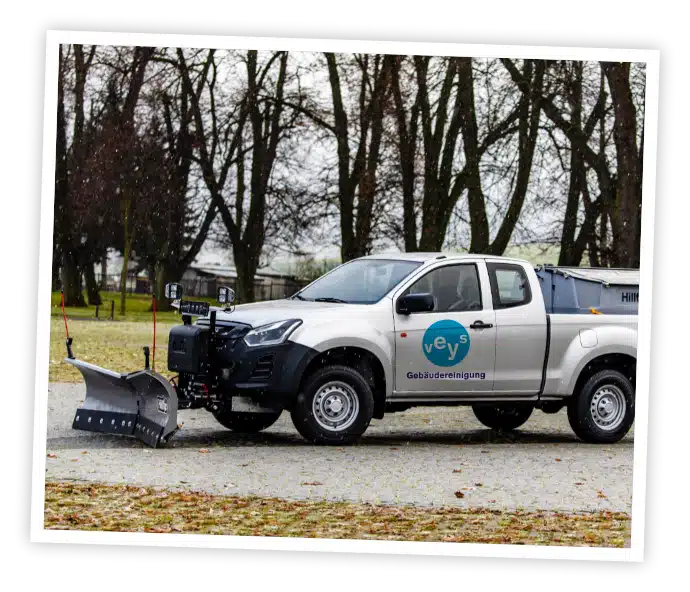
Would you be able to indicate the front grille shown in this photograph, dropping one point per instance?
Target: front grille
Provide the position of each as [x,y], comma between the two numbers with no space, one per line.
[263,368]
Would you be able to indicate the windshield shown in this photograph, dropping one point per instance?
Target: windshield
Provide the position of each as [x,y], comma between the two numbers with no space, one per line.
[363,281]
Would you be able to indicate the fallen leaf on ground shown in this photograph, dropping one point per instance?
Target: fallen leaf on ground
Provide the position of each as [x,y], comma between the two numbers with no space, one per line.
[312,483]
[558,460]
[204,450]
[459,494]
[457,470]
[51,455]
[601,495]
[478,484]
[74,506]
[579,483]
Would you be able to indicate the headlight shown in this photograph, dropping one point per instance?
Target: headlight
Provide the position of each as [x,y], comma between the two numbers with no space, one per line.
[272,334]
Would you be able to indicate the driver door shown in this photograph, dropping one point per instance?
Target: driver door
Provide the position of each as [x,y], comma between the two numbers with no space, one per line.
[450,352]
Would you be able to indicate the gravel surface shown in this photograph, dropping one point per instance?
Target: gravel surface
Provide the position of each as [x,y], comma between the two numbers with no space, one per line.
[422,456]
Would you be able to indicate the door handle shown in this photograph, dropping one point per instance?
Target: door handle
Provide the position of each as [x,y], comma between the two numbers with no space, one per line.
[480,325]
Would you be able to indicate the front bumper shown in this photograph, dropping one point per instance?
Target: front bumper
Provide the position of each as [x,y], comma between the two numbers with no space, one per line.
[224,366]
[271,373]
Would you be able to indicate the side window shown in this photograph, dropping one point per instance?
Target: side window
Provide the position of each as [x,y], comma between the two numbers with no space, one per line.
[455,288]
[509,285]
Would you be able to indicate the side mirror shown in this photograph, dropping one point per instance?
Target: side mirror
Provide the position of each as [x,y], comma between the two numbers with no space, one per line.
[173,291]
[226,295]
[415,303]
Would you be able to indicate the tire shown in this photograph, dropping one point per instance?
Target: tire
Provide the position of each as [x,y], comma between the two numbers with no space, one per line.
[247,423]
[603,411]
[334,407]
[503,416]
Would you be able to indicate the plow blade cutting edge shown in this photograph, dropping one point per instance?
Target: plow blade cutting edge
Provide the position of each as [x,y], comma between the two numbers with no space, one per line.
[142,404]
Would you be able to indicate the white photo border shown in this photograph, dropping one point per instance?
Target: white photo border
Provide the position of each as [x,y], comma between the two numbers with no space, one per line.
[40,534]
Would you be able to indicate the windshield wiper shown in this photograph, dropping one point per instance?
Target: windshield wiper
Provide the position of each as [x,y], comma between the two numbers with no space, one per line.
[329,299]
[299,297]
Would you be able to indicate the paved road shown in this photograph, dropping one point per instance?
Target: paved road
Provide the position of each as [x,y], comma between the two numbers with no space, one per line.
[422,456]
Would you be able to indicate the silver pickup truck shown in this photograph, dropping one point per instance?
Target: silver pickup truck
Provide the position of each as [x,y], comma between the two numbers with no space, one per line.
[381,334]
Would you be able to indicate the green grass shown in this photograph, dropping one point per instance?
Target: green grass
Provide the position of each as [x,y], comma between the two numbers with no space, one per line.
[138,308]
[116,345]
[124,508]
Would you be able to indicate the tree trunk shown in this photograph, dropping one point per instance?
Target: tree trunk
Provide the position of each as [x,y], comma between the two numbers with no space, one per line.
[407,145]
[528,132]
[92,289]
[55,272]
[593,254]
[626,215]
[71,282]
[125,257]
[164,273]
[604,259]
[433,234]
[104,272]
[577,175]
[479,222]
[246,270]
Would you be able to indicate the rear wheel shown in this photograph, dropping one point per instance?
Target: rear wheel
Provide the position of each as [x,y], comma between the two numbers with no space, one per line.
[248,423]
[334,407]
[502,416]
[604,409]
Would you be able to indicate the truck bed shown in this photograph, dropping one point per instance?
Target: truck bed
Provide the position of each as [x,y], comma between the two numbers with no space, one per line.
[578,290]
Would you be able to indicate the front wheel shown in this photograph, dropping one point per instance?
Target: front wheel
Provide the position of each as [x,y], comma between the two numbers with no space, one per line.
[604,409]
[502,416]
[247,423]
[334,407]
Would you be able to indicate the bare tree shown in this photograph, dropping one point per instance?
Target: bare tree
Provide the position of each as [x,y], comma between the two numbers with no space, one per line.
[359,90]
[619,188]
[240,140]
[626,216]
[125,159]
[180,222]
[69,162]
[443,111]
[573,243]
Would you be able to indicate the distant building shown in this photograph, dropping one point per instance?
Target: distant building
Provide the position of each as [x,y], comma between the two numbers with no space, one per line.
[204,280]
[200,280]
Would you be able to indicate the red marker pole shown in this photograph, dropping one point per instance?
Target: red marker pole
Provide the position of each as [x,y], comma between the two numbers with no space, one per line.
[64,316]
[68,339]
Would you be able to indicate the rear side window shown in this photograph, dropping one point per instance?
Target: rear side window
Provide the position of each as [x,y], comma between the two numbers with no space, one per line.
[509,285]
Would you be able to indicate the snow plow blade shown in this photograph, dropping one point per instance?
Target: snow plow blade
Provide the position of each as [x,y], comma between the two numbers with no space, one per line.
[142,404]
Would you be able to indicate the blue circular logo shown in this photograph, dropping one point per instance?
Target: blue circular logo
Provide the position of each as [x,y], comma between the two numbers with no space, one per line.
[446,343]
